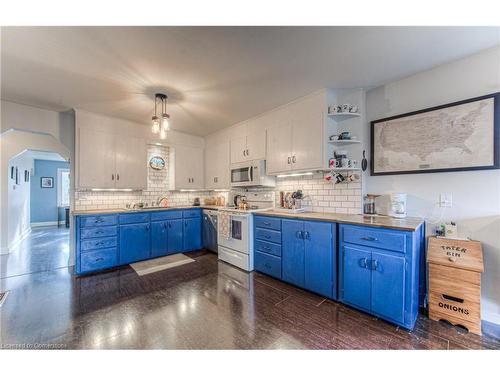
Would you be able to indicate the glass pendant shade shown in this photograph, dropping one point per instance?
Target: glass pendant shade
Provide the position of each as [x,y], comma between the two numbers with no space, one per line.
[156,125]
[165,124]
[163,134]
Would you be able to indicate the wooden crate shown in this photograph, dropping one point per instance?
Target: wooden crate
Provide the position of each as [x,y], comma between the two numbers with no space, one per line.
[455,268]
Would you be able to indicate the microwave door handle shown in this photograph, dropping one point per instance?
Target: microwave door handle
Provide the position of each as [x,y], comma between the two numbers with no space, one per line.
[250,174]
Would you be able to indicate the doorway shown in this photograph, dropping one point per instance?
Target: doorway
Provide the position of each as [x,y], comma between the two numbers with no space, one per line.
[38,205]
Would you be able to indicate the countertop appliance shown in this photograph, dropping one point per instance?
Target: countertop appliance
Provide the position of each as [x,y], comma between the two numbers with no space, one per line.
[252,173]
[210,230]
[236,246]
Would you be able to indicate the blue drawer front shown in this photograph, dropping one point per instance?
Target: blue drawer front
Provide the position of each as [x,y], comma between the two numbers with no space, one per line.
[268,264]
[98,243]
[134,218]
[99,220]
[268,235]
[381,238]
[98,232]
[166,215]
[194,212]
[268,222]
[98,260]
[268,247]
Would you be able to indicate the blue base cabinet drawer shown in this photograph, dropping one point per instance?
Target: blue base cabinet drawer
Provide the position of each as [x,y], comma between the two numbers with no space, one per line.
[191,213]
[99,220]
[268,235]
[98,243]
[98,260]
[99,232]
[268,264]
[166,215]
[381,238]
[134,218]
[268,222]
[267,247]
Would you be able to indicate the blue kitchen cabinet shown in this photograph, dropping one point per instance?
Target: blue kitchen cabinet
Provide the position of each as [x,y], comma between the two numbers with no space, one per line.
[293,252]
[320,258]
[379,271]
[192,234]
[159,238]
[388,283]
[135,242]
[356,277]
[309,257]
[175,236]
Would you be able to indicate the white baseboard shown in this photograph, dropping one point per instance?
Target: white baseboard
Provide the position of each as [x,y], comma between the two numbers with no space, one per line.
[47,224]
[12,246]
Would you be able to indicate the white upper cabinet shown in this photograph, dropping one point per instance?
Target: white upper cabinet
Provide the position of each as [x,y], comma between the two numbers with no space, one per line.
[131,162]
[279,142]
[249,146]
[186,168]
[96,159]
[109,161]
[296,139]
[217,165]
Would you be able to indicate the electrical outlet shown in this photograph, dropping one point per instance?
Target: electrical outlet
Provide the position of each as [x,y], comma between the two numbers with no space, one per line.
[445,200]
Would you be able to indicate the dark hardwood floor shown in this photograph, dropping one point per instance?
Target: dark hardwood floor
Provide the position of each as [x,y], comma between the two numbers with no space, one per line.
[206,304]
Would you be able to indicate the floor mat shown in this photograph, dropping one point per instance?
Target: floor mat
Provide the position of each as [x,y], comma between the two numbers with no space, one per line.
[159,264]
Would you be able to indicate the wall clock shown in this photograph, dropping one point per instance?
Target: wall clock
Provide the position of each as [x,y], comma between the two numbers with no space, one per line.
[157,163]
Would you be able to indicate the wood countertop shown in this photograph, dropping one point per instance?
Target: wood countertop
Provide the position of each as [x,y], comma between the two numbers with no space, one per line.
[409,223]
[127,210]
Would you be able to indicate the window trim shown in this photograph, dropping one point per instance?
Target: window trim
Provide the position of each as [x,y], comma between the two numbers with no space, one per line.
[60,171]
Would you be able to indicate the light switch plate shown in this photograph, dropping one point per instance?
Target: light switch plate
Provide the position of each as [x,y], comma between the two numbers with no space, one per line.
[445,200]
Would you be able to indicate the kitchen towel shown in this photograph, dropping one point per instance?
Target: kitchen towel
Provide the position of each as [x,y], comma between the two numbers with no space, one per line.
[224,224]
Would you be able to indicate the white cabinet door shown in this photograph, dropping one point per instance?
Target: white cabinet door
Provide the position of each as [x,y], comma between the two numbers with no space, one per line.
[96,159]
[279,147]
[256,145]
[131,163]
[188,168]
[307,137]
[222,166]
[210,167]
[238,149]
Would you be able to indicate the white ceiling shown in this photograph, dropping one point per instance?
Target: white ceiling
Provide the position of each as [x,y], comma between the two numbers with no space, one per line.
[215,76]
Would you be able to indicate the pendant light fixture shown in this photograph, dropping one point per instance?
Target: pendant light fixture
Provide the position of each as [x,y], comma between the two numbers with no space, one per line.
[161,125]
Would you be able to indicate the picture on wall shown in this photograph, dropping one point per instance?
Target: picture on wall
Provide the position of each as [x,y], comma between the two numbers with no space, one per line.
[46,182]
[457,136]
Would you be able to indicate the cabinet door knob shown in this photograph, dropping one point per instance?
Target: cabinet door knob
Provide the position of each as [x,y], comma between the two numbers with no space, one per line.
[294,159]
[374,265]
[306,235]
[289,160]
[117,177]
[112,177]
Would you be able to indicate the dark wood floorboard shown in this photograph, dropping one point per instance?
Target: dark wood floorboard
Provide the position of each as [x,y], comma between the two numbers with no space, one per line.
[206,304]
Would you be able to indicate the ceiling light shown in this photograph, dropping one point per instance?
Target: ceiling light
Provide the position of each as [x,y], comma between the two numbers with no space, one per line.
[294,174]
[161,125]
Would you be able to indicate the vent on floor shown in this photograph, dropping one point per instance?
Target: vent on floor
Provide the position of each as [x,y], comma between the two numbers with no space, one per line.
[3,296]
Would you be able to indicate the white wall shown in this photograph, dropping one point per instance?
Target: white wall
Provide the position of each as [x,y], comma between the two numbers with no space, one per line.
[476,195]
[19,200]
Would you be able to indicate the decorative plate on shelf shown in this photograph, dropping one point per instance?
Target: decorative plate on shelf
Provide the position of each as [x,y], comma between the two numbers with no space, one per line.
[157,162]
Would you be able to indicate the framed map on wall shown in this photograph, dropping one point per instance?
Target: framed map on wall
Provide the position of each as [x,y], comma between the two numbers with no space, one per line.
[458,136]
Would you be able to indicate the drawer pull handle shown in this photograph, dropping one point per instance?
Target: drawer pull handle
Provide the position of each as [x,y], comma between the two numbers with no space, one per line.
[266,223]
[454,299]
[368,238]
[99,243]
[306,235]
[99,259]
[99,232]
[99,220]
[266,248]
[267,265]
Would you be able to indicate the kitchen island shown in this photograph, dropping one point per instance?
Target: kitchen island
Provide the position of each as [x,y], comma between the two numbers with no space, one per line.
[373,263]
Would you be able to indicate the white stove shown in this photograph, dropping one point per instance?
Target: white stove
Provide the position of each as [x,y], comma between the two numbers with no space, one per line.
[235,230]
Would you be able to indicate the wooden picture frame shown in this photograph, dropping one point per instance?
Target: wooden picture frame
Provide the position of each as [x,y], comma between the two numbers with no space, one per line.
[409,134]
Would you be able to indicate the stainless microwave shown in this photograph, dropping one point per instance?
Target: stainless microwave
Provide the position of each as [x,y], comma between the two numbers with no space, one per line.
[252,173]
